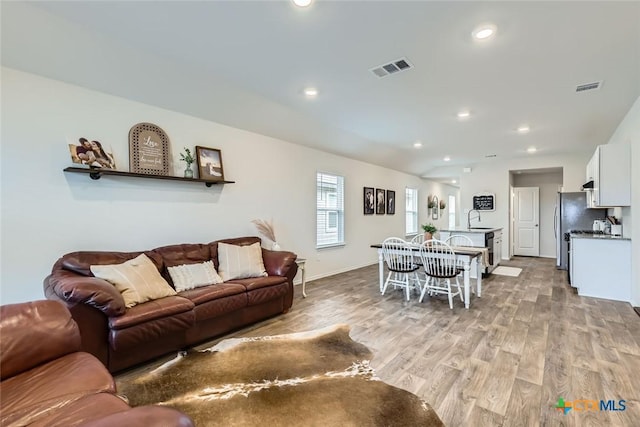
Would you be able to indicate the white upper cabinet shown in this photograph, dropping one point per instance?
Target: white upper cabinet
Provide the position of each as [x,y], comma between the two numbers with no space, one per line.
[610,171]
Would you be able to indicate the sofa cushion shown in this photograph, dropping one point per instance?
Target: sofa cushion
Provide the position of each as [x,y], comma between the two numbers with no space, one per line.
[191,276]
[153,330]
[151,310]
[207,293]
[138,280]
[76,412]
[262,289]
[259,282]
[187,253]
[220,306]
[268,293]
[68,377]
[144,416]
[51,333]
[238,262]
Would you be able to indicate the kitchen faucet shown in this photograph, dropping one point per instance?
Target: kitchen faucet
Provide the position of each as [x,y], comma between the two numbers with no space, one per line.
[469,217]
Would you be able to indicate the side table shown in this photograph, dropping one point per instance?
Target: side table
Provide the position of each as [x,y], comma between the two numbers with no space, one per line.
[301,265]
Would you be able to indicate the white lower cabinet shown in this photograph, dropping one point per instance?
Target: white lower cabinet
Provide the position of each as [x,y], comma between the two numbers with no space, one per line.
[601,268]
[497,248]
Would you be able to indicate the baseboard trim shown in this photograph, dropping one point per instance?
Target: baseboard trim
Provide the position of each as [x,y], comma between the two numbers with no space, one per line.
[333,273]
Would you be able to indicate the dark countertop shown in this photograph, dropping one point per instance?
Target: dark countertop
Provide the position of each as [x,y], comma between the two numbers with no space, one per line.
[598,237]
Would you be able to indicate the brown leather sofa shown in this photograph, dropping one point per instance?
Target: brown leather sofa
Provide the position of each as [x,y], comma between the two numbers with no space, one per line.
[123,337]
[45,380]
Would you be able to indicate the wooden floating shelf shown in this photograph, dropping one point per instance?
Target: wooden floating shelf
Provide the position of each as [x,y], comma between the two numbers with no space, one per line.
[98,173]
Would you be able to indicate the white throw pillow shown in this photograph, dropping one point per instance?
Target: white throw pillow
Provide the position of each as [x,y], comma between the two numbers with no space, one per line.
[138,280]
[240,262]
[190,276]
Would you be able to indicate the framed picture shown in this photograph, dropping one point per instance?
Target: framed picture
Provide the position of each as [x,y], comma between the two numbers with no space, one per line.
[91,153]
[391,202]
[209,164]
[381,206]
[369,200]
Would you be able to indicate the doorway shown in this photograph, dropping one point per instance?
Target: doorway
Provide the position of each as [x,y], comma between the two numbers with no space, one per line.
[526,221]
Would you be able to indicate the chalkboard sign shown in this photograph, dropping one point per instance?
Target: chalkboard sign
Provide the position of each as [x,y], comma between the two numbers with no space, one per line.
[484,202]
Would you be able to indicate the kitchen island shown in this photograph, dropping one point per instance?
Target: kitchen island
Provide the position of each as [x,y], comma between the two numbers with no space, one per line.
[601,266]
[487,237]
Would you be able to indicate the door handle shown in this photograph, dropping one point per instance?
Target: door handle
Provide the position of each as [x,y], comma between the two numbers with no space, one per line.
[536,225]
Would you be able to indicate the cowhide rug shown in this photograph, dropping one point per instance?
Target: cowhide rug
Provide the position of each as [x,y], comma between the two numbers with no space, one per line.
[317,378]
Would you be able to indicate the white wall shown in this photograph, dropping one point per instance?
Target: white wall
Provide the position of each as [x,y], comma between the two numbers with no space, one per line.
[442,191]
[46,213]
[628,132]
[548,183]
[494,177]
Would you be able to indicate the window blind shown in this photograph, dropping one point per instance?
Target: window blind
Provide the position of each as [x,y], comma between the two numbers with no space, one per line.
[411,209]
[329,210]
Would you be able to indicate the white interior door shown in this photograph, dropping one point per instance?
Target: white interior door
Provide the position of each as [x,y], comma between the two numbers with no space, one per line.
[526,224]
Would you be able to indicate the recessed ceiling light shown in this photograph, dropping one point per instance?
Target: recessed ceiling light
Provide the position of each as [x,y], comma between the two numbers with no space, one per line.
[523,129]
[464,114]
[446,159]
[531,150]
[484,32]
[453,181]
[310,92]
[417,144]
[302,3]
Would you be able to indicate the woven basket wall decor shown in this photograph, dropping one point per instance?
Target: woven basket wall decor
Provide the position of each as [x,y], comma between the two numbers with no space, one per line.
[148,150]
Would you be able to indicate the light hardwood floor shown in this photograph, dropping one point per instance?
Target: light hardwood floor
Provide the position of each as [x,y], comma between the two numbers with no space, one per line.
[505,362]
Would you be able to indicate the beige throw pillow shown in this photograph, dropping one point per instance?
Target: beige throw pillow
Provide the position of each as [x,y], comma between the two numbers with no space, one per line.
[240,262]
[190,276]
[138,280]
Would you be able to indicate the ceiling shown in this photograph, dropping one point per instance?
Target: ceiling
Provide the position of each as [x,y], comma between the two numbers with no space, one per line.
[245,64]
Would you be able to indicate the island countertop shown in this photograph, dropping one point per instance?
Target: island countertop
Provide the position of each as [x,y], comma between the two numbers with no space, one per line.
[472,230]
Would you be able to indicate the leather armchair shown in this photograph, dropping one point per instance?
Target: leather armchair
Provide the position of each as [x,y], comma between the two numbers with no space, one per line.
[45,380]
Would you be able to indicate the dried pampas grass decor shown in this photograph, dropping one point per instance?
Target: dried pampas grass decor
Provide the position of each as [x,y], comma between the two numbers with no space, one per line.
[266,228]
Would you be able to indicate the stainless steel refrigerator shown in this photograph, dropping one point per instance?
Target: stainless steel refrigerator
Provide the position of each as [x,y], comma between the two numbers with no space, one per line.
[571,213]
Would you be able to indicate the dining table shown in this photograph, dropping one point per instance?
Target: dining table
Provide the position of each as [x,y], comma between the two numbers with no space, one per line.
[465,255]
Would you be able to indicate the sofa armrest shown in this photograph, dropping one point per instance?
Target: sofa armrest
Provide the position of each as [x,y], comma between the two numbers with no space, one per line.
[34,333]
[279,263]
[73,288]
[144,416]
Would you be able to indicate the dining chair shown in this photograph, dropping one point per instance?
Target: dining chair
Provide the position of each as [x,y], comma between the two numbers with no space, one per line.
[440,266]
[418,239]
[460,240]
[399,257]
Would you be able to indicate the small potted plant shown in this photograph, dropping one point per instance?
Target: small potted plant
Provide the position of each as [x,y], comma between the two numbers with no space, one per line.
[428,229]
[188,159]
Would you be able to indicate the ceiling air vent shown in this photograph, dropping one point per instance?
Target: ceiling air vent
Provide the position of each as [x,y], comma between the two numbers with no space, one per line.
[589,86]
[384,70]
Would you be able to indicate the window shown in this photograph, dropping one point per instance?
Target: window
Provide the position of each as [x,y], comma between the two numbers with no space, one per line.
[329,210]
[411,224]
[452,212]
